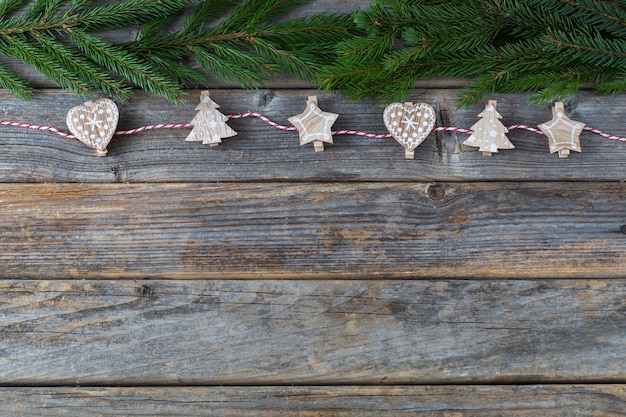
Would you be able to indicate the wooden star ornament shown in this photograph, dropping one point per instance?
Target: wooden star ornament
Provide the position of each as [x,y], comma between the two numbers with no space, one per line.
[563,133]
[314,125]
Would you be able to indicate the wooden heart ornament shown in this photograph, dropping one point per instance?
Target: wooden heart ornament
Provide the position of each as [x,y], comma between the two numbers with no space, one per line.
[94,123]
[409,124]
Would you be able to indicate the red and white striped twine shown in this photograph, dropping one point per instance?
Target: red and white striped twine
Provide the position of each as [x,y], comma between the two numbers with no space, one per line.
[288,128]
[265,119]
[526,127]
[151,127]
[605,135]
[36,127]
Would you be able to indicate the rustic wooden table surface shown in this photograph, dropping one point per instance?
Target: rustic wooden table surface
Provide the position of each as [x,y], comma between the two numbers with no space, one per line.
[260,278]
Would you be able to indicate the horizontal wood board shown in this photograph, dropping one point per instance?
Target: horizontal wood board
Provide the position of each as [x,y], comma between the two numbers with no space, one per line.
[340,401]
[278,230]
[143,332]
[260,152]
[298,225]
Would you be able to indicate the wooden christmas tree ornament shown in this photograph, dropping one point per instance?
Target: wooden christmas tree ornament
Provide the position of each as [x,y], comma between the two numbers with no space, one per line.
[562,132]
[489,133]
[314,125]
[409,124]
[209,125]
[94,123]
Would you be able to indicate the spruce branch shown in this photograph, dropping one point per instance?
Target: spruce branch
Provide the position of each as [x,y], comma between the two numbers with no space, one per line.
[249,45]
[549,47]
[615,86]
[130,66]
[126,13]
[236,40]
[11,81]
[37,36]
[8,7]
[598,11]
[18,46]
[206,13]
[81,67]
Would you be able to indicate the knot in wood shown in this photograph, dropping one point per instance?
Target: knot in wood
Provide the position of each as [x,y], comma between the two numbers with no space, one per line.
[436,192]
[265,98]
[147,291]
[622,228]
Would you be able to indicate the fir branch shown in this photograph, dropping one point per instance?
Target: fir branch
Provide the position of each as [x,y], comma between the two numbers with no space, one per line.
[254,13]
[129,65]
[615,86]
[126,13]
[599,10]
[227,69]
[8,7]
[249,46]
[19,47]
[550,47]
[34,37]
[63,39]
[81,67]
[178,72]
[557,90]
[205,13]
[44,8]
[11,81]
[603,51]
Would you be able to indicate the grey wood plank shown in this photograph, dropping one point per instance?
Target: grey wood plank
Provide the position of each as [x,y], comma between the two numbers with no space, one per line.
[339,401]
[260,152]
[256,332]
[278,230]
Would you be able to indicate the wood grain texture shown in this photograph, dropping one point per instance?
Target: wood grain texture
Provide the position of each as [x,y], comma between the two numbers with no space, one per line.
[341,401]
[277,230]
[262,279]
[145,332]
[271,154]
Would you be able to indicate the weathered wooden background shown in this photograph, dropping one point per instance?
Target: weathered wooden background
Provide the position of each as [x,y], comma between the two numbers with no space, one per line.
[260,278]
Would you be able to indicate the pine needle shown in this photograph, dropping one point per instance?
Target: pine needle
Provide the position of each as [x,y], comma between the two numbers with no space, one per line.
[549,47]
[241,41]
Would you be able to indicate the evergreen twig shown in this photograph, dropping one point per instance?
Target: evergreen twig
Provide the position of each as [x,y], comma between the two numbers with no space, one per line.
[248,46]
[65,41]
[549,47]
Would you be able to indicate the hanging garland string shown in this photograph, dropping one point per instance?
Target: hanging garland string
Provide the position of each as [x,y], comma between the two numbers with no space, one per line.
[95,123]
[286,128]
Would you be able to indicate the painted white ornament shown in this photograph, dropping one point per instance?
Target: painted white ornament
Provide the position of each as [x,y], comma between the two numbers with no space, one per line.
[94,123]
[409,124]
[314,125]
